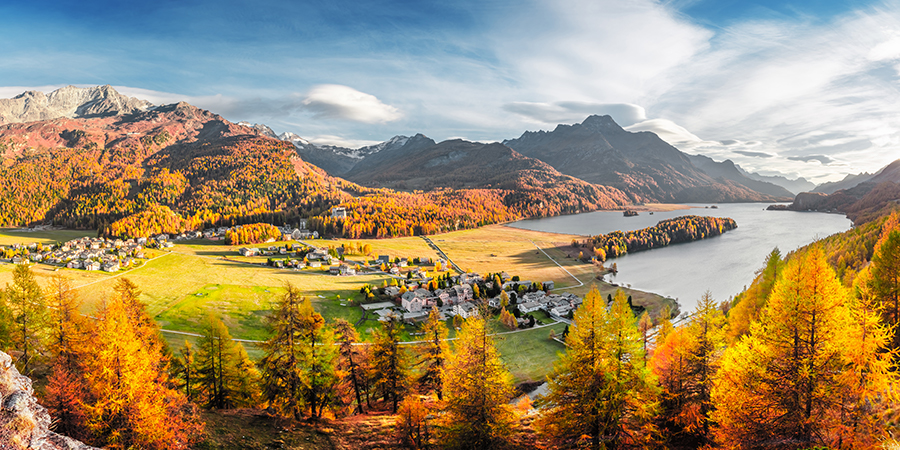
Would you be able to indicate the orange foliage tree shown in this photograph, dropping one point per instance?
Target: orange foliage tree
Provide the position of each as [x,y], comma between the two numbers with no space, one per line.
[809,369]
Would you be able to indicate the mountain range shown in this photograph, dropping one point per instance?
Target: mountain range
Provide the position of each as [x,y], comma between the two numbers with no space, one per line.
[597,151]
[579,167]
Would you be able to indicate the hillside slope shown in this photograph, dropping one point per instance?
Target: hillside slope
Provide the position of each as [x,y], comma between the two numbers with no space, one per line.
[641,164]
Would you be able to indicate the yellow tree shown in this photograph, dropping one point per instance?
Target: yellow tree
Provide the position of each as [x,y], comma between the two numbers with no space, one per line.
[28,306]
[477,390]
[68,333]
[601,392]
[807,367]
[750,302]
[885,282]
[685,362]
[433,353]
[131,403]
[298,369]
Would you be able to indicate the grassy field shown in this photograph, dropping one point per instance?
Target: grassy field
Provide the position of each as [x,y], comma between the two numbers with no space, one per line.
[186,284]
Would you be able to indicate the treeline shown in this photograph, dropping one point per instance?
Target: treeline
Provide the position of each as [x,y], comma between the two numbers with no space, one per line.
[252,234]
[666,232]
[392,214]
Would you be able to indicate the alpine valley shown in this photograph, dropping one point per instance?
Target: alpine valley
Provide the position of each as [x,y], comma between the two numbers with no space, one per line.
[93,158]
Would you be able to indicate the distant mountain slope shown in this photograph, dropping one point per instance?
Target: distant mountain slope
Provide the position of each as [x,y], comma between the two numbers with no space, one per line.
[459,164]
[176,167]
[795,186]
[863,202]
[641,164]
[71,102]
[891,172]
[848,182]
[339,161]
[729,171]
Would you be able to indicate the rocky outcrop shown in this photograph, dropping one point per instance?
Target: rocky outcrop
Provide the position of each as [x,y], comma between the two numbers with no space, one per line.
[25,424]
[809,201]
[70,102]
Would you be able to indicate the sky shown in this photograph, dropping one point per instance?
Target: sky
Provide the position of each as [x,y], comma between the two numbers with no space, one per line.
[799,88]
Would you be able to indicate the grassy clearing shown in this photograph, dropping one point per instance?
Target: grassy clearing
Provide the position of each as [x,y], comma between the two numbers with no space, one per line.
[529,355]
[196,278]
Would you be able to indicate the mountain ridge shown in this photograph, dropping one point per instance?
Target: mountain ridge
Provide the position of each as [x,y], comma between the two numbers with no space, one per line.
[71,102]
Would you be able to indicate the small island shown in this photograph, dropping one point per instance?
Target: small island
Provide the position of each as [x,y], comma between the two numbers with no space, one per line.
[630,213]
[666,232]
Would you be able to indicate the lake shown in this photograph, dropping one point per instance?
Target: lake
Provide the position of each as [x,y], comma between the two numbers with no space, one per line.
[724,264]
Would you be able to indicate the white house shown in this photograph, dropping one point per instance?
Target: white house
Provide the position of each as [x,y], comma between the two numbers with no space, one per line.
[413,304]
[529,307]
[465,310]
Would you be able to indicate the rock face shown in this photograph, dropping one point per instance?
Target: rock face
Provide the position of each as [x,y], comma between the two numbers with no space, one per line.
[70,102]
[25,424]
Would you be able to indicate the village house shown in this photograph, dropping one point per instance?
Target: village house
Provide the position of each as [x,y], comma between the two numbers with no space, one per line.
[392,291]
[465,310]
[92,265]
[339,212]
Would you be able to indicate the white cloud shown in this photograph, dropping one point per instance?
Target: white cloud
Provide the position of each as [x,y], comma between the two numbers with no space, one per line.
[807,91]
[339,141]
[624,114]
[335,101]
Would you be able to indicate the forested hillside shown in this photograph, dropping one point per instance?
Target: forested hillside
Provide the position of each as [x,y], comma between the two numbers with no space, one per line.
[179,168]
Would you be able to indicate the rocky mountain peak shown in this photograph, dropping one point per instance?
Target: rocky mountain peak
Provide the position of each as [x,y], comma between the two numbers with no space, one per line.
[603,124]
[69,102]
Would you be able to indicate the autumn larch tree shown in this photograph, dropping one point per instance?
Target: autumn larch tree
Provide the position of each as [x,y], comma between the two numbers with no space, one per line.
[433,353]
[352,368]
[389,368]
[886,282]
[809,365]
[477,391]
[749,303]
[68,333]
[298,370]
[184,366]
[131,403]
[684,363]
[601,393]
[28,306]
[225,372]
[411,425]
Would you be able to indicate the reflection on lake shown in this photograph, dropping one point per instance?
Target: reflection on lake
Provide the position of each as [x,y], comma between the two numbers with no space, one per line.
[724,264]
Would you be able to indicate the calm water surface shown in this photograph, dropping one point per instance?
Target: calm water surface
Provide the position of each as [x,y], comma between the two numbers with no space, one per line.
[724,265]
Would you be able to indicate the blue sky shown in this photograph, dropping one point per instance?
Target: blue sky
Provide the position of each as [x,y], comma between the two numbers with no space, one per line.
[800,87]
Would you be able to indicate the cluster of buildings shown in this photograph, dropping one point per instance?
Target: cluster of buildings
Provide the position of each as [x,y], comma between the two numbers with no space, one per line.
[86,253]
[559,305]
[416,302]
[288,233]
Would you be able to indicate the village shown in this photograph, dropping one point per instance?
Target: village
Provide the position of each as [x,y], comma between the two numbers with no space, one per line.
[108,255]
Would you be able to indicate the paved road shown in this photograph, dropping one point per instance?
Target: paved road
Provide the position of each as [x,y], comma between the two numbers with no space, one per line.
[441,253]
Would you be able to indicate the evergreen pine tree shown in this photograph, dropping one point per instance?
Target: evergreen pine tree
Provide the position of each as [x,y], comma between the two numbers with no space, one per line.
[224,371]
